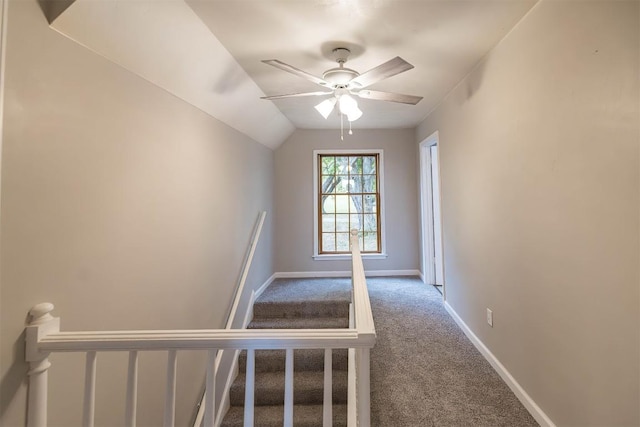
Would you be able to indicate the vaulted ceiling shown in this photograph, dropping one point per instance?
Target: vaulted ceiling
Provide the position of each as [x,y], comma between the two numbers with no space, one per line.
[209,52]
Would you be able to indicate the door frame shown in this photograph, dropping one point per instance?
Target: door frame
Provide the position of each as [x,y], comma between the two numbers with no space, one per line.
[426,210]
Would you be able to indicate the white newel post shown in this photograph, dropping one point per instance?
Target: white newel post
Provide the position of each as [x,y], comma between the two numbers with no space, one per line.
[42,323]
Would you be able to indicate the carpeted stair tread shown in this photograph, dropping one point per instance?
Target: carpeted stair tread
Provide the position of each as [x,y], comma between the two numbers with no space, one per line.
[293,309]
[273,416]
[303,360]
[299,323]
[308,388]
[281,307]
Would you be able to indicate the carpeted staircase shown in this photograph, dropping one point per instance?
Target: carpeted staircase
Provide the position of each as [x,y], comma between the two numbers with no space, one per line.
[308,366]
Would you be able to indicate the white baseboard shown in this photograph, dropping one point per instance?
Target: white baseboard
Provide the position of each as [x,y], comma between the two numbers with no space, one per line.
[264,286]
[370,273]
[522,395]
[421,276]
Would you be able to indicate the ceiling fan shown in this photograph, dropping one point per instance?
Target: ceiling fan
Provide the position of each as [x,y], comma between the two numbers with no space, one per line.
[344,82]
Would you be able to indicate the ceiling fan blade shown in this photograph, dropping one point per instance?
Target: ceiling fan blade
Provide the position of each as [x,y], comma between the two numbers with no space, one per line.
[390,68]
[296,95]
[387,96]
[293,70]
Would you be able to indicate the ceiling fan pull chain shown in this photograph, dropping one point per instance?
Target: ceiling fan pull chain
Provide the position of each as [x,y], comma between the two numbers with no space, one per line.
[350,131]
[341,127]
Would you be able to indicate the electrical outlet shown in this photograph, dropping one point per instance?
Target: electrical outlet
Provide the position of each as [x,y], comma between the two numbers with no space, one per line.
[490,317]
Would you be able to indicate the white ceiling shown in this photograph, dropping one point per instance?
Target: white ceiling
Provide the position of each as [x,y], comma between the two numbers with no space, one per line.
[209,52]
[165,43]
[442,39]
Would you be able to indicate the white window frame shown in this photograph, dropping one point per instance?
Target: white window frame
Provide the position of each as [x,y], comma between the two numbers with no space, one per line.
[383,243]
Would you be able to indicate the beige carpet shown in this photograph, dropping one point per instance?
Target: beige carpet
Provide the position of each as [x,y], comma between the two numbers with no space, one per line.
[424,370]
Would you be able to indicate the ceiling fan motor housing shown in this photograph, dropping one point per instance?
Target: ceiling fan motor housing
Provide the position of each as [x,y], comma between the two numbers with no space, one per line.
[340,76]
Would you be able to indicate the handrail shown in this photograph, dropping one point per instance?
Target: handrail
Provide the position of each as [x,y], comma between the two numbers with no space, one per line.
[219,339]
[360,415]
[43,336]
[363,315]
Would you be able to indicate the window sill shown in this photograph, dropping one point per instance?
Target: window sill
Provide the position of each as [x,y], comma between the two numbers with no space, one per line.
[342,257]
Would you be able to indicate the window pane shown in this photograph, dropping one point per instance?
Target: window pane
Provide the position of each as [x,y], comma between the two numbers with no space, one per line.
[356,204]
[369,165]
[342,204]
[370,204]
[342,241]
[356,165]
[342,222]
[356,181]
[342,184]
[328,222]
[356,222]
[328,242]
[370,242]
[328,204]
[328,184]
[370,222]
[328,165]
[342,165]
[369,183]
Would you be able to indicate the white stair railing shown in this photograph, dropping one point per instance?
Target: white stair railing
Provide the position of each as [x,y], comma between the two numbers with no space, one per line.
[43,337]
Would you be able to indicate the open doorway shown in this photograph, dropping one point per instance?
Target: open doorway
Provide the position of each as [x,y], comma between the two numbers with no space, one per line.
[432,259]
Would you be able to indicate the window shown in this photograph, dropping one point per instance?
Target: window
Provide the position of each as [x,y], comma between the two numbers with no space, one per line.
[348,196]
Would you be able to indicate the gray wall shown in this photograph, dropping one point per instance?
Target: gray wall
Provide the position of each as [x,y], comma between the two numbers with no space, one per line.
[539,167]
[125,207]
[295,193]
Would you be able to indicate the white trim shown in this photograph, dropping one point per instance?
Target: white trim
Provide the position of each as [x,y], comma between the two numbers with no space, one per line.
[517,389]
[311,274]
[426,223]
[262,287]
[4,11]
[381,208]
[370,273]
[347,257]
[427,232]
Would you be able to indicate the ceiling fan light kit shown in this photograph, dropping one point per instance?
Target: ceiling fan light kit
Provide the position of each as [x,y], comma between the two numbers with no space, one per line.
[345,83]
[326,107]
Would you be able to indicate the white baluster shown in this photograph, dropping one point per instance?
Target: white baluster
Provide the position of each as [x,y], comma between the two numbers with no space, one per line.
[132,390]
[249,386]
[41,324]
[352,398]
[288,389]
[364,387]
[89,410]
[210,391]
[327,408]
[170,396]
